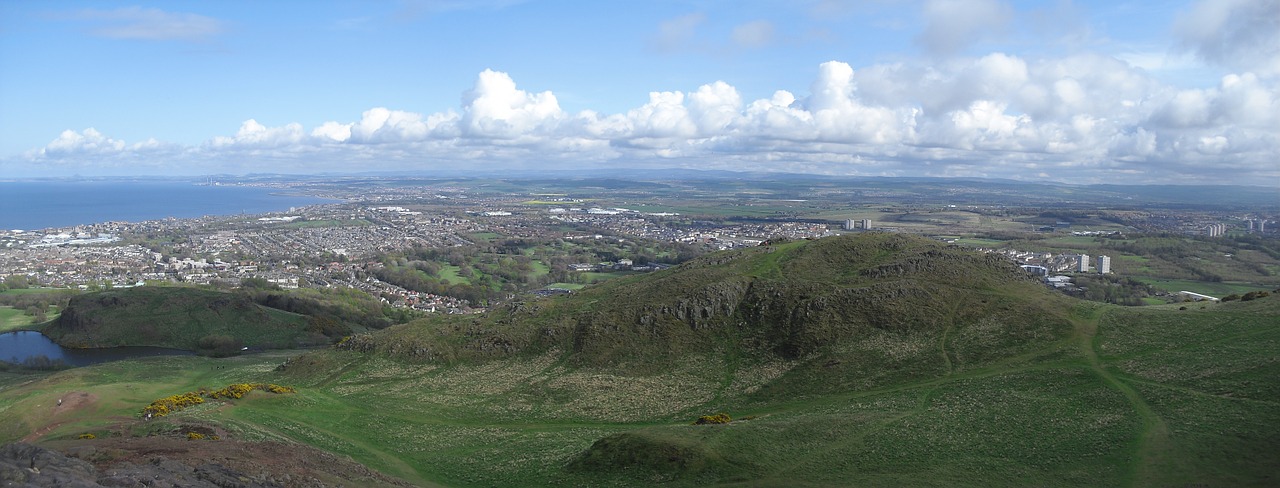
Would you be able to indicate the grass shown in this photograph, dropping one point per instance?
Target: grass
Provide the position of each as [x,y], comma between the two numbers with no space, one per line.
[1048,419]
[12,318]
[1216,289]
[449,273]
[1038,391]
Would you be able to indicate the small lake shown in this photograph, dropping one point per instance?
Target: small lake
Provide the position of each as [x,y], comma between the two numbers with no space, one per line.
[16,347]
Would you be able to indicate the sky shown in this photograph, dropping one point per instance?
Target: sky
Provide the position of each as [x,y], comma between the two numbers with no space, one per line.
[1069,91]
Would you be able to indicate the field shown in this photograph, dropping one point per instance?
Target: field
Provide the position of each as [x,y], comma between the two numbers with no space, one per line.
[1131,397]
[12,318]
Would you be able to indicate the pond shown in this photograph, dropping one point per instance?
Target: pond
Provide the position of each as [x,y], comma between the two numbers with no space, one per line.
[28,346]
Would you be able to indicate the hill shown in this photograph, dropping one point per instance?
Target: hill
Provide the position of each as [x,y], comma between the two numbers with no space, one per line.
[868,360]
[178,317]
[834,305]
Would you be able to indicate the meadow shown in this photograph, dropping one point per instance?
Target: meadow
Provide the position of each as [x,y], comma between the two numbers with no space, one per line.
[1086,395]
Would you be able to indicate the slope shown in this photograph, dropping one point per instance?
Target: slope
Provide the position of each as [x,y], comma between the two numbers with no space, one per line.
[176,317]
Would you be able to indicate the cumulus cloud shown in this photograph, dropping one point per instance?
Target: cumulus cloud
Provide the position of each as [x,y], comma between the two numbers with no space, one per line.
[953,25]
[1078,118]
[149,24]
[1239,34]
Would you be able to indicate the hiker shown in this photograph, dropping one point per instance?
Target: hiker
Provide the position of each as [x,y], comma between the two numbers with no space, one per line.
[59,402]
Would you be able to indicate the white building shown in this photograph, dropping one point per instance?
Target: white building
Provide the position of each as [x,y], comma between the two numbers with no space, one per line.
[1104,264]
[1083,264]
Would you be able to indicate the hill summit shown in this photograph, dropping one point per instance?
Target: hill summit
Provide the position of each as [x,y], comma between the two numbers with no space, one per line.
[838,299]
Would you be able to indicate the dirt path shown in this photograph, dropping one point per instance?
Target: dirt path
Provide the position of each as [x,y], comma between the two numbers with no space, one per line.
[62,407]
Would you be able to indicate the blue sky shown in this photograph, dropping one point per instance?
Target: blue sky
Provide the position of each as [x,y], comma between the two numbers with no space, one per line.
[1071,91]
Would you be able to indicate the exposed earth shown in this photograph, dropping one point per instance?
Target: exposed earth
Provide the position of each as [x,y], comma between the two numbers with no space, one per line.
[162,461]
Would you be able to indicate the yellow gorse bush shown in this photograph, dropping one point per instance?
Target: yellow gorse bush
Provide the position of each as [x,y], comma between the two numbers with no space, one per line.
[173,403]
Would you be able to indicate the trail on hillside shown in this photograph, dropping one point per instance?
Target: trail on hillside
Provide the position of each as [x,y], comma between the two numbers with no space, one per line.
[1153,443]
[71,402]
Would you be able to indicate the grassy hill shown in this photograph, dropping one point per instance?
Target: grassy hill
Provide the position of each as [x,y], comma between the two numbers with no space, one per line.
[873,360]
[176,317]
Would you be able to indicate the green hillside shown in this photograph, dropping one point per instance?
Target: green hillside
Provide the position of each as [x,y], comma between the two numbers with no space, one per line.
[176,317]
[868,360]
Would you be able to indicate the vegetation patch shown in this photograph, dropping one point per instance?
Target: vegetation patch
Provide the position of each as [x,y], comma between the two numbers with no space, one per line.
[174,403]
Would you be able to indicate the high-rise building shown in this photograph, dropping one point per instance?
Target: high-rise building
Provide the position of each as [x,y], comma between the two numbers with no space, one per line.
[1083,265]
[1216,230]
[1104,264]
[866,224]
[850,224]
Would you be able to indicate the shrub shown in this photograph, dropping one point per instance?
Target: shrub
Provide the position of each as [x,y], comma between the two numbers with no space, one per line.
[173,403]
[1254,294]
[88,435]
[219,346]
[1231,297]
[194,436]
[719,418]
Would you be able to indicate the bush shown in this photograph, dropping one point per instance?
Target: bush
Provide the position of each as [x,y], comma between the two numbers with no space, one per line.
[173,403]
[719,418]
[1254,294]
[219,346]
[87,436]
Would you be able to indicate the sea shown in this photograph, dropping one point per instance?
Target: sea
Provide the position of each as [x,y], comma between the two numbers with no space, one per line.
[35,205]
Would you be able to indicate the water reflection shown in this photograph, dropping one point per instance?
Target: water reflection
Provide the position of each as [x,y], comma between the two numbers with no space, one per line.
[27,346]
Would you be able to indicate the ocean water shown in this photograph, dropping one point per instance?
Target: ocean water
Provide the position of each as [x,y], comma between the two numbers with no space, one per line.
[32,205]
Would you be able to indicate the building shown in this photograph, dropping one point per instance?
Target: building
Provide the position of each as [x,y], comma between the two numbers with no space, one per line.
[1083,264]
[1104,264]
[1035,270]
[850,224]
[1193,296]
[866,224]
[1216,230]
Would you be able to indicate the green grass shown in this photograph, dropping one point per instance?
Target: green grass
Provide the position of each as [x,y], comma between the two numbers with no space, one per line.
[567,286]
[1014,386]
[1216,289]
[1050,418]
[449,273]
[33,291]
[13,319]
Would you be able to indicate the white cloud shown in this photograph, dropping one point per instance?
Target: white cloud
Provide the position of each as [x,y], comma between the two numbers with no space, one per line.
[150,24]
[1239,34]
[953,25]
[1076,118]
[678,33]
[495,108]
[757,33]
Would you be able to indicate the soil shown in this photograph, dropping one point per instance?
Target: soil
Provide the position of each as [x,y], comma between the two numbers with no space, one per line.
[245,463]
[70,402]
[170,458]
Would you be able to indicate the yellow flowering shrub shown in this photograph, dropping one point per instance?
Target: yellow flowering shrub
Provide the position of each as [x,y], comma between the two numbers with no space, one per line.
[719,418]
[173,403]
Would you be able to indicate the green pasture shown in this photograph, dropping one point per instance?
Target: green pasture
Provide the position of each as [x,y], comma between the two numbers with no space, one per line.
[1132,397]
[1215,289]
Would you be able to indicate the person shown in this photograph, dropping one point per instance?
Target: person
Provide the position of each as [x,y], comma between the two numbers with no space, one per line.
[59,402]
